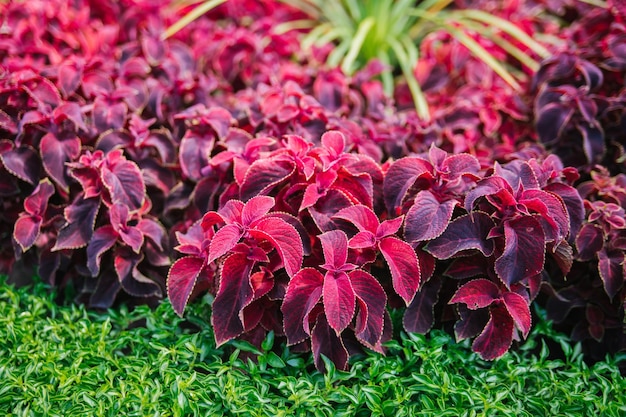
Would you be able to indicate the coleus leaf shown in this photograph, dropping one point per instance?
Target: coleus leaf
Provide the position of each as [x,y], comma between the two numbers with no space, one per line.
[419,316]
[285,238]
[234,294]
[339,300]
[123,180]
[404,266]
[475,294]
[497,336]
[28,224]
[324,341]
[399,179]
[194,152]
[56,150]
[23,162]
[573,203]
[524,250]
[427,218]
[80,217]
[371,299]
[518,309]
[464,233]
[102,240]
[303,293]
[181,280]
[132,280]
[263,175]
[224,240]
[589,241]
[611,269]
[470,323]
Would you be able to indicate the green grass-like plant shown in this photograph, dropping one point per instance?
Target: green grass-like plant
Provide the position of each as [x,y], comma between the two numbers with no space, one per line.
[61,360]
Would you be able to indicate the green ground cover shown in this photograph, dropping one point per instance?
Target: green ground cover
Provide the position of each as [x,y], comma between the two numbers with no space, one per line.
[62,360]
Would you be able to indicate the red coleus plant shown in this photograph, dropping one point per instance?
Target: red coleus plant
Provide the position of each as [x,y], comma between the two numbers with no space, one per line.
[322,306]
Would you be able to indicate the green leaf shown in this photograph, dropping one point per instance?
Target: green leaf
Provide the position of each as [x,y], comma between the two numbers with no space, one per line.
[191,16]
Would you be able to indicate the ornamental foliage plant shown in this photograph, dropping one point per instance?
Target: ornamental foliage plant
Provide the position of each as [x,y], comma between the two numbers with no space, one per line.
[310,201]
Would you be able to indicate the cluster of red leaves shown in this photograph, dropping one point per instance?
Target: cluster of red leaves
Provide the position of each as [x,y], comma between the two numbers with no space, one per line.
[227,160]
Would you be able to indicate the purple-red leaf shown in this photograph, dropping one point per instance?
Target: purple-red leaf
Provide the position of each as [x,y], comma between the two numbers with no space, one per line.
[263,175]
[404,266]
[419,316]
[23,162]
[285,238]
[464,233]
[475,294]
[324,341]
[81,218]
[372,300]
[224,240]
[234,294]
[181,281]
[524,250]
[102,240]
[611,268]
[255,209]
[56,150]
[427,218]
[400,177]
[519,310]
[589,241]
[335,248]
[124,181]
[497,336]
[362,217]
[26,230]
[339,300]
[132,280]
[303,293]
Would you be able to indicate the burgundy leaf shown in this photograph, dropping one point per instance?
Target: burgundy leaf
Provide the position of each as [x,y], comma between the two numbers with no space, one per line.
[404,266]
[488,186]
[470,323]
[285,238]
[263,175]
[427,218]
[464,233]
[335,248]
[256,208]
[475,294]
[497,336]
[153,230]
[555,212]
[372,300]
[589,241]
[551,121]
[361,216]
[573,203]
[362,240]
[56,150]
[224,240]
[23,162]
[235,293]
[107,288]
[339,300]
[132,280]
[519,310]
[194,152]
[102,240]
[26,230]
[108,114]
[524,250]
[181,280]
[303,293]
[400,177]
[37,202]
[419,316]
[324,341]
[611,268]
[70,111]
[80,217]
[124,181]
[461,165]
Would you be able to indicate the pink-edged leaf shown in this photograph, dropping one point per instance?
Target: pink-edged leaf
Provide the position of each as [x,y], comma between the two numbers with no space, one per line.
[285,238]
[263,175]
[389,227]
[419,316]
[107,288]
[70,111]
[362,240]
[518,308]
[69,78]
[118,216]
[26,230]
[102,240]
[400,177]
[312,194]
[427,218]
[555,211]
[124,181]
[56,150]
[256,208]
[404,266]
[324,341]
[23,162]
[471,322]
[573,203]
[181,280]
[524,250]
[224,240]
[464,233]
[108,114]
[475,294]
[335,248]
[327,207]
[371,299]
[488,186]
[37,202]
[358,187]
[132,237]
[339,300]
[611,269]
[589,241]
[194,152]
[362,217]
[80,217]
[153,230]
[465,267]
[303,293]
[461,165]
[334,142]
[497,336]
[235,293]
[191,242]
[132,280]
